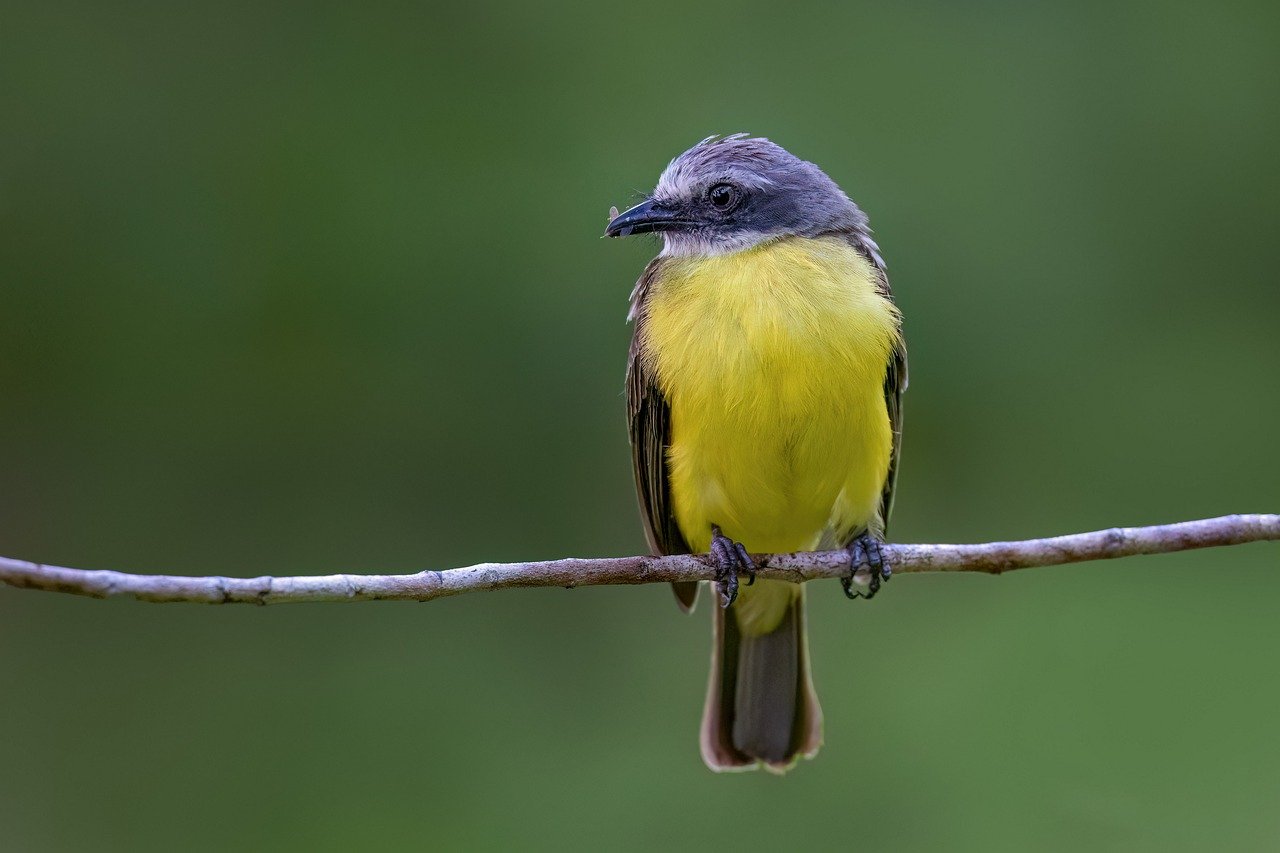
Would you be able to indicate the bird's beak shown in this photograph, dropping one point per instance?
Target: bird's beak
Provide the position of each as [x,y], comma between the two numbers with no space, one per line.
[643,218]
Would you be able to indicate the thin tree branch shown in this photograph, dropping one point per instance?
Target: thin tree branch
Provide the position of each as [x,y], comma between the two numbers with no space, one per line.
[989,557]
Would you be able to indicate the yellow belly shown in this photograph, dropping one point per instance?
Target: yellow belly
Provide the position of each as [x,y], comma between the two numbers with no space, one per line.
[773,362]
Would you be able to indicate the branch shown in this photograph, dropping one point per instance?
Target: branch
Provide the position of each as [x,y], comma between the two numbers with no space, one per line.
[989,557]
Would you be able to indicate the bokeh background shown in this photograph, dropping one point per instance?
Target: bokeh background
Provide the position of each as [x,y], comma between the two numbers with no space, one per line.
[299,288]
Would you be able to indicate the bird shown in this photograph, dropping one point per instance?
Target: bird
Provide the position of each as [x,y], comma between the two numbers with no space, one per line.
[764,400]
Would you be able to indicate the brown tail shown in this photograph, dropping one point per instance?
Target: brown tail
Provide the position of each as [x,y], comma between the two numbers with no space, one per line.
[761,707]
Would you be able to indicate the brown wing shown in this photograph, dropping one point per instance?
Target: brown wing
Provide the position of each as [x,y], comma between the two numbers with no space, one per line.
[895,377]
[649,420]
[895,382]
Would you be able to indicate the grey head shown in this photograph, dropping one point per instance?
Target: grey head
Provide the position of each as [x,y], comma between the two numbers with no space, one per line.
[730,193]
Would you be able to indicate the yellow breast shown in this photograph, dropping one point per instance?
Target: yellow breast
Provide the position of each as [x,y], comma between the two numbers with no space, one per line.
[773,361]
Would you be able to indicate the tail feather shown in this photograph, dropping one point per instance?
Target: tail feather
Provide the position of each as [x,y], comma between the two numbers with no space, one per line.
[761,707]
[764,702]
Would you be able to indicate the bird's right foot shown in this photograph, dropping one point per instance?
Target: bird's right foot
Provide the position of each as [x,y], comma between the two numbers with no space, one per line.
[866,554]
[731,558]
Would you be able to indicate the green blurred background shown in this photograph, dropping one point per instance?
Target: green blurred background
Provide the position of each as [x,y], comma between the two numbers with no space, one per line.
[295,289]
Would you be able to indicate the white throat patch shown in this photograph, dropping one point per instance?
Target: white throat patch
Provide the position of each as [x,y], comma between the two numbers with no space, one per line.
[677,244]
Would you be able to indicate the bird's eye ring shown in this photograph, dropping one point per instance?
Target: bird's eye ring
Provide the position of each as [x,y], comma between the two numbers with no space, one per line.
[723,196]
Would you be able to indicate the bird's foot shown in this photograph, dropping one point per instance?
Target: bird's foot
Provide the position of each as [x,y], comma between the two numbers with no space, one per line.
[731,559]
[866,554]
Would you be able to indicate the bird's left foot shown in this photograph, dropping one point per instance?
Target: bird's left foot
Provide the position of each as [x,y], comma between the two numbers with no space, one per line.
[731,558]
[866,554]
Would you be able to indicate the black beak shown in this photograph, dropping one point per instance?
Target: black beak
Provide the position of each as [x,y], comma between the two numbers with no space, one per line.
[644,218]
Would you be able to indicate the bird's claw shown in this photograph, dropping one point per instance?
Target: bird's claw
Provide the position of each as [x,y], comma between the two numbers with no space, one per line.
[731,560]
[866,554]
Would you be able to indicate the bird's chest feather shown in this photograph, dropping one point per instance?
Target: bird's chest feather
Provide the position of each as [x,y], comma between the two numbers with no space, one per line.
[773,362]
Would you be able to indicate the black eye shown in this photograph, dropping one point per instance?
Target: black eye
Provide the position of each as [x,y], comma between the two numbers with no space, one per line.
[723,196]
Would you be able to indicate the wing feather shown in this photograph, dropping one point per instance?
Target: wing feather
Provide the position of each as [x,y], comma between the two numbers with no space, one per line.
[649,421]
[895,377]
